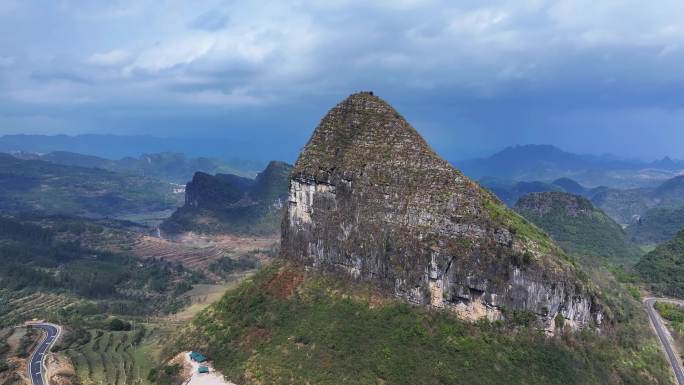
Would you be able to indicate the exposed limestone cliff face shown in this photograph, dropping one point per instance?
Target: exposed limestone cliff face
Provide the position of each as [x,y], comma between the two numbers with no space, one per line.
[369,198]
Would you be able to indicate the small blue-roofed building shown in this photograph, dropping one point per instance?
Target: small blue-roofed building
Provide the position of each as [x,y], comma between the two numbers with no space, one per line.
[197,357]
[203,370]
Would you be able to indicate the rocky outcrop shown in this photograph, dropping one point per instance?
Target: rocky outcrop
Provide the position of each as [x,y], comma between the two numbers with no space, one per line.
[220,190]
[225,203]
[368,198]
[60,370]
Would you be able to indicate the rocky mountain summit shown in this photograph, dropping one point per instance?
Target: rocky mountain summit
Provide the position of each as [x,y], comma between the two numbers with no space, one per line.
[226,203]
[369,199]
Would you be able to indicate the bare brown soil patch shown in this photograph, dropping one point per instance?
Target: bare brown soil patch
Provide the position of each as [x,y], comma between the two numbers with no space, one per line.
[284,283]
[60,370]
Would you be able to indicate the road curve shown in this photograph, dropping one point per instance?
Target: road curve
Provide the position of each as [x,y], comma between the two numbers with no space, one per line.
[664,335]
[36,363]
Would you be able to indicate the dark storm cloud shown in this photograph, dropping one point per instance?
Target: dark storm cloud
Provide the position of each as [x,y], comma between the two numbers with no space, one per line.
[589,76]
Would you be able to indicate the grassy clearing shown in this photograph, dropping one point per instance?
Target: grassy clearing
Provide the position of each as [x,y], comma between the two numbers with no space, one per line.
[203,295]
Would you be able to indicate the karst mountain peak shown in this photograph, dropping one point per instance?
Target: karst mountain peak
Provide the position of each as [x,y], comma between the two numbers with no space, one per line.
[370,199]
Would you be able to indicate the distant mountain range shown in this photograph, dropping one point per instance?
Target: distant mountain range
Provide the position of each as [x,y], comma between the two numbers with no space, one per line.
[167,166]
[120,146]
[510,191]
[653,214]
[547,163]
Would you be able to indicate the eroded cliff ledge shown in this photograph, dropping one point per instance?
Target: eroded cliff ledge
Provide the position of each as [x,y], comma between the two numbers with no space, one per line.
[369,198]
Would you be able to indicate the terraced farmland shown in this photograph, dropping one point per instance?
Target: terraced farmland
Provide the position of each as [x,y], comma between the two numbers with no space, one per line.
[198,252]
[190,257]
[17,307]
[116,358]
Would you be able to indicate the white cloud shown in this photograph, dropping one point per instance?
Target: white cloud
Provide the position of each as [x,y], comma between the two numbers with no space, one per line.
[109,58]
[167,55]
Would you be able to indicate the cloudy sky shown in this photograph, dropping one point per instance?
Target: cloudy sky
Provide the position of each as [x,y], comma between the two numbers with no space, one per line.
[591,76]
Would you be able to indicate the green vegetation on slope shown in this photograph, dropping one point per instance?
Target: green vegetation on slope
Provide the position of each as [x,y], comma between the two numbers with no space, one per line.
[663,268]
[49,273]
[674,314]
[113,357]
[516,224]
[577,226]
[657,225]
[286,327]
[35,185]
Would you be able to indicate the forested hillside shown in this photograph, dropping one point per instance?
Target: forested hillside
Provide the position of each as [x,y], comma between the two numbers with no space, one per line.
[578,226]
[663,268]
[45,269]
[35,185]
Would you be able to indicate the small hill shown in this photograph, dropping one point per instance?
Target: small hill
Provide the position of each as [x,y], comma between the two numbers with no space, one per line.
[657,225]
[577,226]
[233,204]
[663,268]
[570,186]
[36,185]
[670,193]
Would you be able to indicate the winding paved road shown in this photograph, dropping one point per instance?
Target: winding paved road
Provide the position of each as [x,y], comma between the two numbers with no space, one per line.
[36,363]
[664,335]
